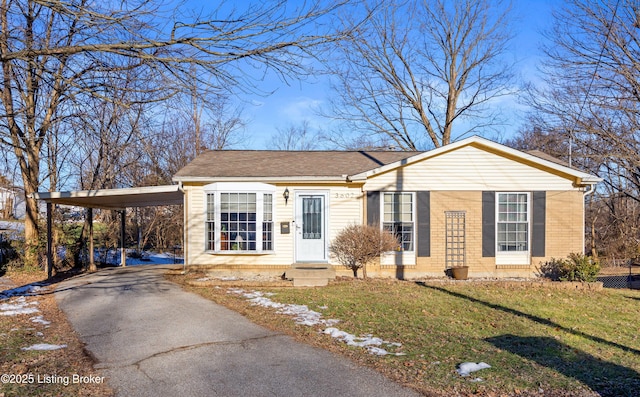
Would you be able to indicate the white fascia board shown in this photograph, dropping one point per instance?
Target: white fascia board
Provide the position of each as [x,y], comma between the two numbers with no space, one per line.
[115,198]
[106,192]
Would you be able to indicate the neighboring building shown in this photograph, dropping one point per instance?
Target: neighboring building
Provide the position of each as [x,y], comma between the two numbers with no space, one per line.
[474,202]
[12,205]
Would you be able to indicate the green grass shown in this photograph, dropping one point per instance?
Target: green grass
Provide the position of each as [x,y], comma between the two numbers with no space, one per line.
[562,342]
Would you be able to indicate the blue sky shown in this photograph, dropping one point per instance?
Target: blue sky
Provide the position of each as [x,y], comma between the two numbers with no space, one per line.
[292,104]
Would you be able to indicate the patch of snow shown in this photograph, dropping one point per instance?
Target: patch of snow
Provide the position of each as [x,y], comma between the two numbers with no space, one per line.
[39,320]
[25,290]
[465,369]
[304,316]
[112,257]
[164,255]
[18,306]
[369,342]
[301,313]
[44,346]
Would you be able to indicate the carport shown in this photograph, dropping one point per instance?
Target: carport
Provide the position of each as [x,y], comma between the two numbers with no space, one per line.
[109,199]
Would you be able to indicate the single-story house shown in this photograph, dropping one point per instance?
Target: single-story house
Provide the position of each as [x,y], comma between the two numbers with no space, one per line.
[497,210]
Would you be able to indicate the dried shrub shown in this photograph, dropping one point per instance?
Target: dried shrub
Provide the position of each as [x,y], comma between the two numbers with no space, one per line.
[357,245]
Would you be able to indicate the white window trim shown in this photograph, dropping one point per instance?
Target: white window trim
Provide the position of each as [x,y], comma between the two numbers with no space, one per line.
[260,189]
[513,257]
[399,258]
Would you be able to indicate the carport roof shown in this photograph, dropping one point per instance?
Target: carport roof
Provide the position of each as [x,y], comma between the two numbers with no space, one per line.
[116,198]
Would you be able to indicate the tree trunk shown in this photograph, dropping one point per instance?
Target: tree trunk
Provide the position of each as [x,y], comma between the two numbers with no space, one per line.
[31,232]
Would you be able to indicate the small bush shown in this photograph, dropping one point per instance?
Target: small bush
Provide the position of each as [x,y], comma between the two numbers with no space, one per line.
[577,267]
[357,245]
[8,255]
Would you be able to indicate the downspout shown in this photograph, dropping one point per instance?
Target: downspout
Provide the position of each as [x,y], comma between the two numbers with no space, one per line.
[123,225]
[185,239]
[592,189]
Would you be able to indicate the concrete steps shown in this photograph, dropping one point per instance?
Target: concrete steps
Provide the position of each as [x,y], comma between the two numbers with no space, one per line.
[310,274]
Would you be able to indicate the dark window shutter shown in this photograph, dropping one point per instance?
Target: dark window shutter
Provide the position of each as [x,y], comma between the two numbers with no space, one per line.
[488,224]
[424,223]
[373,208]
[538,215]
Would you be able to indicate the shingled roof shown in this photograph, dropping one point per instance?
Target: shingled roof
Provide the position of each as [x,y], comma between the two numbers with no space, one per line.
[272,163]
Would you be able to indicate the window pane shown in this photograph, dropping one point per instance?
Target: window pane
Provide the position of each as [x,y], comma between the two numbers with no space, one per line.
[513,223]
[312,218]
[398,218]
[267,207]
[210,223]
[403,232]
[238,219]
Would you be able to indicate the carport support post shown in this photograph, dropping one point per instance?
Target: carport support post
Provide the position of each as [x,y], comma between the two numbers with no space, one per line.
[49,239]
[123,254]
[92,263]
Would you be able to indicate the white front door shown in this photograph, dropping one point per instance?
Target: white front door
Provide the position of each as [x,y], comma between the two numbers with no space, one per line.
[311,227]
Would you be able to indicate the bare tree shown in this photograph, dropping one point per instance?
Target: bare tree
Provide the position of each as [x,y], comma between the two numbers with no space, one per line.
[537,136]
[419,67]
[53,53]
[296,137]
[591,96]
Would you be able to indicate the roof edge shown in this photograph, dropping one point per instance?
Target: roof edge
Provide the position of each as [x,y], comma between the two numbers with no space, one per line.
[585,178]
[316,179]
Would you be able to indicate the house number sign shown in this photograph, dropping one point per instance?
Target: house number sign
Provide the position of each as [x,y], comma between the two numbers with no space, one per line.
[345,195]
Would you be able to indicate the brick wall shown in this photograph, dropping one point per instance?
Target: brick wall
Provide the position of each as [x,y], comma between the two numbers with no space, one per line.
[564,233]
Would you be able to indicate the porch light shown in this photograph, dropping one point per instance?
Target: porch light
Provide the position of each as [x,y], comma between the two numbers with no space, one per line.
[286,195]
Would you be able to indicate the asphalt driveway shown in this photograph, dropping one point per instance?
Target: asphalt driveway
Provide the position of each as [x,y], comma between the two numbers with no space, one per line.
[151,338]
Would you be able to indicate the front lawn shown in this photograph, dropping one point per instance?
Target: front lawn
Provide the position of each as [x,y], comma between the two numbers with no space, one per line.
[30,324]
[538,341]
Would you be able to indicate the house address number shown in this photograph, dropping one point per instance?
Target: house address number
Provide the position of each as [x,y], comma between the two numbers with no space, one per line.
[345,195]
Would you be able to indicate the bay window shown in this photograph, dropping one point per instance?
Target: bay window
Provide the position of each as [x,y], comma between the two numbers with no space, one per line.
[239,217]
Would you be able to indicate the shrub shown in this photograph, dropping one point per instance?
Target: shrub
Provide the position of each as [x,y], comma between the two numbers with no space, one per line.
[357,245]
[8,254]
[577,267]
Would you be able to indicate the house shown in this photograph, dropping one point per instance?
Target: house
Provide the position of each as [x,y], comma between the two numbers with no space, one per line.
[474,202]
[12,204]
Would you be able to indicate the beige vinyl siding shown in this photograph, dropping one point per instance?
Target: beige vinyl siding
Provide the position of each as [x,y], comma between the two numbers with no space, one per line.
[195,223]
[468,168]
[345,207]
